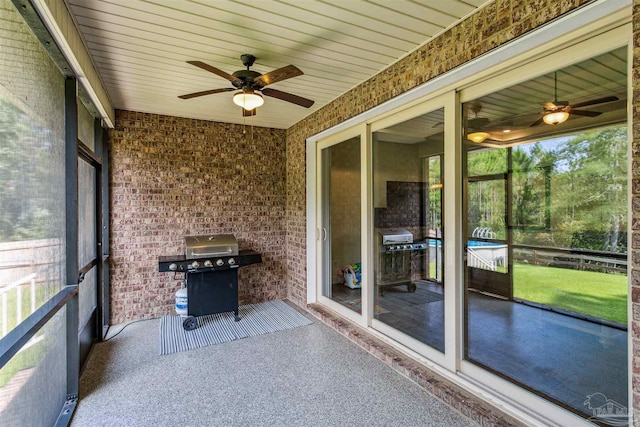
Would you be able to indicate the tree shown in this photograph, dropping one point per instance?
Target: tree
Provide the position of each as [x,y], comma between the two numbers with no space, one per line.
[568,192]
[594,174]
[32,177]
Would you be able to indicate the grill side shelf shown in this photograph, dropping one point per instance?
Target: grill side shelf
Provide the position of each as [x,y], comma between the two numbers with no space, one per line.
[184,265]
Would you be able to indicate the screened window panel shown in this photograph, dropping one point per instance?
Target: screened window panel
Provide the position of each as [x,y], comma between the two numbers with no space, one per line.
[85,126]
[86,213]
[33,383]
[32,218]
[32,221]
[87,296]
[87,250]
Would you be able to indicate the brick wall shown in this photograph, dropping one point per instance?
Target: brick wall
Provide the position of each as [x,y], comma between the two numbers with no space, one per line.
[172,177]
[635,220]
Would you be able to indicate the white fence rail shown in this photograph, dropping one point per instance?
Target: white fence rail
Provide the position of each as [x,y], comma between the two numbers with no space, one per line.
[17,286]
[29,271]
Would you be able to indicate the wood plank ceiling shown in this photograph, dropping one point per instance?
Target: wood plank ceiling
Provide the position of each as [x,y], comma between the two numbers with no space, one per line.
[140,48]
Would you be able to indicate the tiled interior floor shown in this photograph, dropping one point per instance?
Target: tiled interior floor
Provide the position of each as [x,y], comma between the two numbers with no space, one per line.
[562,356]
[559,356]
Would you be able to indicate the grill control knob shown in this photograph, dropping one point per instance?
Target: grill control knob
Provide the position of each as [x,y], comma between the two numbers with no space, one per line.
[173,266]
[195,264]
[208,263]
[219,263]
[231,261]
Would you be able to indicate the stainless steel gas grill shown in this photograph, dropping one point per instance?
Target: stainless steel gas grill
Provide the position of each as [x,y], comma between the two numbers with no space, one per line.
[210,265]
[211,246]
[394,248]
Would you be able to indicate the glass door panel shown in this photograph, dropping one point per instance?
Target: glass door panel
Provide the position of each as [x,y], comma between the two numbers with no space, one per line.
[341,224]
[408,234]
[549,202]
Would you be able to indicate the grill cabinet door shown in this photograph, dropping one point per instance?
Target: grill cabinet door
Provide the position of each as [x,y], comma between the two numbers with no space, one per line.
[212,292]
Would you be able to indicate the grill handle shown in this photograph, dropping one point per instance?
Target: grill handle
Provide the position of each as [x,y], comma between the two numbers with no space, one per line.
[228,251]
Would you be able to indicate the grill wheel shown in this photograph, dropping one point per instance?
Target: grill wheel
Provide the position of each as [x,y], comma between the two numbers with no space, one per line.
[190,323]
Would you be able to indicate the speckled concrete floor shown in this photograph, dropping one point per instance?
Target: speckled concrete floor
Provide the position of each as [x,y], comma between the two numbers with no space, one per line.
[309,376]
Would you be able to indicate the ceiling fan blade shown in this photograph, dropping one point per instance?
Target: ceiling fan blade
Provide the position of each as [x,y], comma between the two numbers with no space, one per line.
[289,97]
[248,113]
[584,113]
[216,71]
[595,101]
[277,76]
[205,92]
[536,123]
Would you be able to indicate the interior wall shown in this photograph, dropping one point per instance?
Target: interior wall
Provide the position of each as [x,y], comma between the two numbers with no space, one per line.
[345,205]
[393,162]
[171,177]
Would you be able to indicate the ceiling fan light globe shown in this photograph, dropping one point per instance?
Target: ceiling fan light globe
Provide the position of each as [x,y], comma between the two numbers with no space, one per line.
[248,100]
[555,117]
[477,136]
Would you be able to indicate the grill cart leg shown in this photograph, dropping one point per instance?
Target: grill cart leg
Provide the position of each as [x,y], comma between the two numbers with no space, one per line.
[189,323]
[237,313]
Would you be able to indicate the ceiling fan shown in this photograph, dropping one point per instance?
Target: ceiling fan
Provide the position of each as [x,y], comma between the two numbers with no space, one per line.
[252,84]
[557,112]
[476,124]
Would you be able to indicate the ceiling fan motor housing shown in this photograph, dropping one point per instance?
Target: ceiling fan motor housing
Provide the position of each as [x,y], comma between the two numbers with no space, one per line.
[247,77]
[247,59]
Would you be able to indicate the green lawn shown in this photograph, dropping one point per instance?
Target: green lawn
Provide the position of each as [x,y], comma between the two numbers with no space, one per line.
[595,294]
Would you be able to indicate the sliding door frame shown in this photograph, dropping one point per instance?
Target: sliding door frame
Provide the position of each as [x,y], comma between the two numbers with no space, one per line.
[543,50]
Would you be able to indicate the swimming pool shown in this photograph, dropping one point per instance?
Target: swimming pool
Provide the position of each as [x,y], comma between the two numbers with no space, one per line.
[480,243]
[470,243]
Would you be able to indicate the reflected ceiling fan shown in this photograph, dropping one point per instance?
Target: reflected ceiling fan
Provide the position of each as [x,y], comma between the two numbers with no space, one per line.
[251,84]
[473,123]
[557,112]
[476,124]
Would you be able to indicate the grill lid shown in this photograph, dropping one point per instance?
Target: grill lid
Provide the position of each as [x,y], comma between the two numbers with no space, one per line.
[211,245]
[396,235]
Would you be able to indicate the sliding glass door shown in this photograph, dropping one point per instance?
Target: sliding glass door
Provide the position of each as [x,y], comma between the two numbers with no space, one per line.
[490,223]
[340,232]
